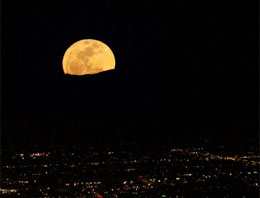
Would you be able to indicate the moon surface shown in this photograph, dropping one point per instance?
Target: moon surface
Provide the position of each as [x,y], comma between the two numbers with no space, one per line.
[88,56]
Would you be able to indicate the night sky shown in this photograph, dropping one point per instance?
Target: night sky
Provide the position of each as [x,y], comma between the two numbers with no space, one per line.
[180,69]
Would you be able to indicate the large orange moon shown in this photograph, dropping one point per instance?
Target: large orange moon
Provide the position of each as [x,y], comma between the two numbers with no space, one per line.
[88,56]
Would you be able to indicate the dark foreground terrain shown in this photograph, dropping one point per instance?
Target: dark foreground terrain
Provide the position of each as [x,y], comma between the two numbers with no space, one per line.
[130,169]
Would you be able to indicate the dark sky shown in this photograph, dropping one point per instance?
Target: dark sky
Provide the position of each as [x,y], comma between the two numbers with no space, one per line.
[179,65]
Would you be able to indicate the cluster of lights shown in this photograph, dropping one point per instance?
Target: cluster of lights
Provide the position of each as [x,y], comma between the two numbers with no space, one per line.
[136,184]
[7,191]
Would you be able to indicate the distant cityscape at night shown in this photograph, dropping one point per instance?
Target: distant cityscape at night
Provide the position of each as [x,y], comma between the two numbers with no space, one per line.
[129,170]
[117,99]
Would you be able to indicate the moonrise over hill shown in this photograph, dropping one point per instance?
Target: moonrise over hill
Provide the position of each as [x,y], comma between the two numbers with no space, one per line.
[141,99]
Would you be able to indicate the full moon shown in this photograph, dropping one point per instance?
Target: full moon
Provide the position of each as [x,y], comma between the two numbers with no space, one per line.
[88,56]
